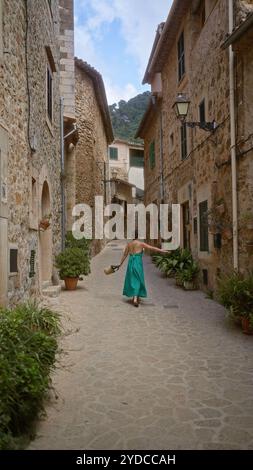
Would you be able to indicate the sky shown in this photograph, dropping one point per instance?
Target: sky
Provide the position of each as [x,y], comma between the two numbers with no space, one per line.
[116,37]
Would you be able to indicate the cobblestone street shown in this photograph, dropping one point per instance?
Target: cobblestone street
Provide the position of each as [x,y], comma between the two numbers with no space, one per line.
[173,374]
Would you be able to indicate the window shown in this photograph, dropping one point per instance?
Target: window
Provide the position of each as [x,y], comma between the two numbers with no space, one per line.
[183,132]
[203,13]
[195,226]
[152,155]
[136,158]
[171,142]
[32,264]
[49,93]
[186,222]
[202,111]
[181,57]
[203,226]
[114,154]
[205,277]
[1,29]
[13,260]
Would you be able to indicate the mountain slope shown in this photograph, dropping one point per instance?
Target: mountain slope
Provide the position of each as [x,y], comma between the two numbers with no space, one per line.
[126,116]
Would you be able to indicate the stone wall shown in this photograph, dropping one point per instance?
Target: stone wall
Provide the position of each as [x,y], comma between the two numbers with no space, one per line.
[34,151]
[92,147]
[67,67]
[244,97]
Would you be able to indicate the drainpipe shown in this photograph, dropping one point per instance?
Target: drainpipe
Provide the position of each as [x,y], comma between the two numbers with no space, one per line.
[63,229]
[233,139]
[161,159]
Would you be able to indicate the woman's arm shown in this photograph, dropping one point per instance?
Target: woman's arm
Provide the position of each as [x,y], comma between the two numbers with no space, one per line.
[153,248]
[124,256]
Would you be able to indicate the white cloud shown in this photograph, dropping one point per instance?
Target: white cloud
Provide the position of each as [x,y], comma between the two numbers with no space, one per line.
[115,93]
[138,20]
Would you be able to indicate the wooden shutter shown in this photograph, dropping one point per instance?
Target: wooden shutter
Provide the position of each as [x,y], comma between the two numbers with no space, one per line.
[13,260]
[183,131]
[203,226]
[113,153]
[181,57]
[152,155]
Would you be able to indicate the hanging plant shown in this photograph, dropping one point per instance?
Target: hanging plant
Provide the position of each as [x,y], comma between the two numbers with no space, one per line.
[218,223]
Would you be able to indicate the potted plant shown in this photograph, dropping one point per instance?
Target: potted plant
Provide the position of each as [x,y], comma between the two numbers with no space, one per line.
[189,276]
[45,222]
[220,206]
[72,263]
[236,294]
[217,222]
[247,323]
[179,278]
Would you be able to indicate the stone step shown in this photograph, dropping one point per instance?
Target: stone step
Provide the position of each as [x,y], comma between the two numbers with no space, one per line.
[51,291]
[46,284]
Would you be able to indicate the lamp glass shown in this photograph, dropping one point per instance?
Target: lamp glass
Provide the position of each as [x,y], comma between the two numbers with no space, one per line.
[182,108]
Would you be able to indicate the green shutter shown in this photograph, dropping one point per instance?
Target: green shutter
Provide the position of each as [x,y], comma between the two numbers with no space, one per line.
[137,158]
[203,226]
[113,153]
[152,155]
[183,131]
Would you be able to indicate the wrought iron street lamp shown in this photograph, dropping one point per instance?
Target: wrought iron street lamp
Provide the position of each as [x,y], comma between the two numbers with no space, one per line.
[181,108]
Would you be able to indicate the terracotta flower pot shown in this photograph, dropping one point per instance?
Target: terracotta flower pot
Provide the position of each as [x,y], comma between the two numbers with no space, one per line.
[246,328]
[179,283]
[189,285]
[44,224]
[71,283]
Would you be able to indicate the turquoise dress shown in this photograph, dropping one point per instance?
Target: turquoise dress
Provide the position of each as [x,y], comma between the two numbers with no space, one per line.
[134,280]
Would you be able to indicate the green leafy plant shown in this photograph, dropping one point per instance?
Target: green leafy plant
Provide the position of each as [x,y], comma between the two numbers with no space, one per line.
[235,292]
[190,273]
[174,261]
[73,262]
[72,242]
[216,220]
[28,346]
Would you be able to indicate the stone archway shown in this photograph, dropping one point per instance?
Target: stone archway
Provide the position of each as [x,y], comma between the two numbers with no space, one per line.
[45,238]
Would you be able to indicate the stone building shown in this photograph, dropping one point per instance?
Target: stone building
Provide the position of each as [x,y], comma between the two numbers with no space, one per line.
[30,151]
[127,160]
[69,136]
[126,163]
[203,171]
[241,40]
[91,173]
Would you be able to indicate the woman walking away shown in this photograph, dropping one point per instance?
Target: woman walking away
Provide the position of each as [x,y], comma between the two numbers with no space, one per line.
[134,281]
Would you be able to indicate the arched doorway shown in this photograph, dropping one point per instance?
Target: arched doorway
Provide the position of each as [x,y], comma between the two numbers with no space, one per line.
[45,238]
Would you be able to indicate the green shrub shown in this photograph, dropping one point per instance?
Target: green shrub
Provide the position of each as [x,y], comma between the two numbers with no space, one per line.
[73,262]
[235,292]
[72,242]
[173,262]
[28,345]
[190,272]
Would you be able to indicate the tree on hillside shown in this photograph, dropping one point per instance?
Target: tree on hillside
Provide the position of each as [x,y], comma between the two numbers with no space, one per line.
[126,116]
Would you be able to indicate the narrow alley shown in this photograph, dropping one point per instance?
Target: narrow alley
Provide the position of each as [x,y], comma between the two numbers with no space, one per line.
[174,373]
